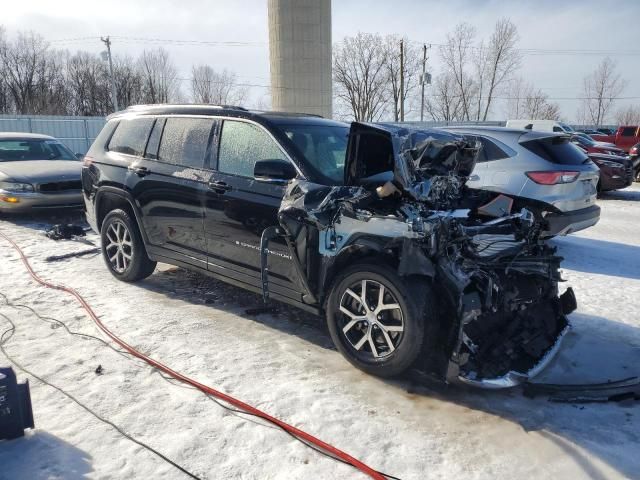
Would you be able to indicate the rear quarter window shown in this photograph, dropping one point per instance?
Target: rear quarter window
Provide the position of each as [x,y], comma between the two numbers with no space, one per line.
[557,150]
[100,143]
[131,136]
[492,151]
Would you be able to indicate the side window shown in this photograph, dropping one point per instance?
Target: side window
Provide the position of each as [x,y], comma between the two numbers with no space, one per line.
[100,143]
[628,132]
[557,129]
[185,141]
[242,145]
[154,140]
[491,151]
[131,136]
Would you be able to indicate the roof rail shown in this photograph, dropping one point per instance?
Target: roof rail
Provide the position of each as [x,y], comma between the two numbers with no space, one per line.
[204,105]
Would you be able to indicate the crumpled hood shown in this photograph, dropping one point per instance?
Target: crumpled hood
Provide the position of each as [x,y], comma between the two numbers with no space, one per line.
[416,157]
[40,171]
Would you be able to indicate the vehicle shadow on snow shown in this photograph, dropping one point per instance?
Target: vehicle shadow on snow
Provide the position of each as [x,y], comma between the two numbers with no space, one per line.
[200,289]
[596,350]
[599,256]
[41,456]
[628,194]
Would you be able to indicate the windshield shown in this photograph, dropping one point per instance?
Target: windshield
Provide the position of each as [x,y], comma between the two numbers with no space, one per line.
[324,148]
[12,150]
[567,128]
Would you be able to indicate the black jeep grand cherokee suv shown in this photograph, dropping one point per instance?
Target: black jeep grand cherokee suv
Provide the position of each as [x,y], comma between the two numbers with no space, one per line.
[371,225]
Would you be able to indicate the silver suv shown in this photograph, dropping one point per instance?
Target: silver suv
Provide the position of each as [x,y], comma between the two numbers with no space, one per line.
[542,166]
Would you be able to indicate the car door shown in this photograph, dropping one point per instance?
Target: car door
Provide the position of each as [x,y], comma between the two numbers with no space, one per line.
[170,184]
[238,208]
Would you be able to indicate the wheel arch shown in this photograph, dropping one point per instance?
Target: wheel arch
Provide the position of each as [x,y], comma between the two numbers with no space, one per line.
[109,199]
[359,250]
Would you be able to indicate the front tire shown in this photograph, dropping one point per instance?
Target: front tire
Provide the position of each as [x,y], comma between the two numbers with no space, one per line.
[123,249]
[377,319]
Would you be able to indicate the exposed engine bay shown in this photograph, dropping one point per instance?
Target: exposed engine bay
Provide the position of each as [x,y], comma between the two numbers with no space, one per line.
[499,316]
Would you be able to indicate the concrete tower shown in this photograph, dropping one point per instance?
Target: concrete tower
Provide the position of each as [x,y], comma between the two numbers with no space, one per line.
[300,55]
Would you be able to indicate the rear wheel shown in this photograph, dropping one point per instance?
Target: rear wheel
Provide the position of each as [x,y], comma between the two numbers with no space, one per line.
[122,248]
[376,320]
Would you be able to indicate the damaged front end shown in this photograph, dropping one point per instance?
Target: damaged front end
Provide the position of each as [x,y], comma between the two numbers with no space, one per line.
[404,202]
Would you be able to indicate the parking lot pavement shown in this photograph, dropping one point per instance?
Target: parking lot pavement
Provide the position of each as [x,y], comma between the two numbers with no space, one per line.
[285,364]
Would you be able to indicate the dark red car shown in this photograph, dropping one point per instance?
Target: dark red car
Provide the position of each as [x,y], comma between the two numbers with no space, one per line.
[616,167]
[589,145]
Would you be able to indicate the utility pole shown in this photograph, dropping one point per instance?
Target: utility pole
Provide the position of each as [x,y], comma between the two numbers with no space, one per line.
[114,93]
[402,80]
[423,80]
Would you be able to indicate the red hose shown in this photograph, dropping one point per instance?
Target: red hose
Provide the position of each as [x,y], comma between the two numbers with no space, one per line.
[204,388]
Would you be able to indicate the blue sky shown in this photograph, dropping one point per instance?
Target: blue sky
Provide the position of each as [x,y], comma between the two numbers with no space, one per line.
[595,25]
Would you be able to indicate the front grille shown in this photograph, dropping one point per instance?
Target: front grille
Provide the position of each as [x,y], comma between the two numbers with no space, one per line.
[60,186]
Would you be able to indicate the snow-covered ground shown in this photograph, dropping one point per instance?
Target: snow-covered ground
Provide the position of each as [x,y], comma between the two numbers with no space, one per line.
[285,364]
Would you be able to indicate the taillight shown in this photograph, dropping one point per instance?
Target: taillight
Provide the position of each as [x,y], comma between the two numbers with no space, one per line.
[633,151]
[87,161]
[553,178]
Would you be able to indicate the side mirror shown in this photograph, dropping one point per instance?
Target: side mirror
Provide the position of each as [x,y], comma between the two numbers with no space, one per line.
[275,171]
[79,156]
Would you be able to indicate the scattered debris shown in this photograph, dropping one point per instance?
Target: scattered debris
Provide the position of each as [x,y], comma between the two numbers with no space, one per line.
[65,231]
[57,258]
[99,370]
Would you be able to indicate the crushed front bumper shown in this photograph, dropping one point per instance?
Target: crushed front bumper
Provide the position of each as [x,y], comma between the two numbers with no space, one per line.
[513,378]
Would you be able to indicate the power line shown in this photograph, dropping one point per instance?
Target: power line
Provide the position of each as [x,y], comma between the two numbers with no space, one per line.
[257,85]
[237,43]
[551,51]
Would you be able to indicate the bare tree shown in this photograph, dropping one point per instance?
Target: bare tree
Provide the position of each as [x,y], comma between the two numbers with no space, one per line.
[456,54]
[525,101]
[600,90]
[516,91]
[23,60]
[501,59]
[445,104]
[51,93]
[88,81]
[360,76]
[128,80]
[481,71]
[628,116]
[209,86]
[412,69]
[5,98]
[160,82]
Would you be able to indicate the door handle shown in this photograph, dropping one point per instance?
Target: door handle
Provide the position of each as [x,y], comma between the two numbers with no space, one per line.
[219,186]
[140,171]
